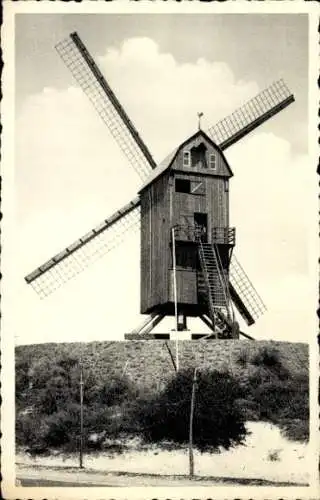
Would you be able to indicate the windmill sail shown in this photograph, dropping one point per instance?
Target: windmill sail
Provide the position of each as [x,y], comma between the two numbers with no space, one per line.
[76,257]
[72,260]
[243,294]
[83,68]
[251,115]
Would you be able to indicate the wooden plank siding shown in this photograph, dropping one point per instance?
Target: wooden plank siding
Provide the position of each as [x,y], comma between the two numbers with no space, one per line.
[155,229]
[222,167]
[187,289]
[214,202]
[163,207]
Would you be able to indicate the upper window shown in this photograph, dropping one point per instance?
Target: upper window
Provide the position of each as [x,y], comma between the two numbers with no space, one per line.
[213,161]
[186,159]
[199,156]
[226,185]
[182,186]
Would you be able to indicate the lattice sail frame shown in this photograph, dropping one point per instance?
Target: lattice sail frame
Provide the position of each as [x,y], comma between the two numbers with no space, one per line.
[82,253]
[245,289]
[252,114]
[67,264]
[87,74]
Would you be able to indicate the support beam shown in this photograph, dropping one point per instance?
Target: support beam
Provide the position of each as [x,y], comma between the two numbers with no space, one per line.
[207,322]
[155,321]
[246,335]
[147,328]
[144,323]
[171,357]
[147,336]
[210,325]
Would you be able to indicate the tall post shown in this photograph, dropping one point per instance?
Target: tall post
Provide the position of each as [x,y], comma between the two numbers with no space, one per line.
[125,368]
[174,265]
[81,417]
[193,397]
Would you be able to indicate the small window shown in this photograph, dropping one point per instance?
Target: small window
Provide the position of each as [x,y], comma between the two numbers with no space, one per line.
[186,159]
[212,161]
[226,186]
[182,186]
[197,187]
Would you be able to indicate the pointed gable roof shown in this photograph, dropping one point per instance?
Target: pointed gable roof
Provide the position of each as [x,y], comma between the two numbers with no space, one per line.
[168,160]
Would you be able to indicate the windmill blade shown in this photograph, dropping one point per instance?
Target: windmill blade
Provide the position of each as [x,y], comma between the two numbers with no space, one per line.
[76,257]
[243,294]
[85,71]
[251,115]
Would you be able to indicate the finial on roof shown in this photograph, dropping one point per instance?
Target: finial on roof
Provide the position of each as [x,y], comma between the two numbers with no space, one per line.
[200,115]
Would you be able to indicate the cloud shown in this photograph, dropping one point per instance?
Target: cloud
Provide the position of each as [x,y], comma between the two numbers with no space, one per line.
[163,96]
[273,206]
[70,175]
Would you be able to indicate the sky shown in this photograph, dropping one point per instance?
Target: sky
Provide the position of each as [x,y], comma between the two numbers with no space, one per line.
[69,174]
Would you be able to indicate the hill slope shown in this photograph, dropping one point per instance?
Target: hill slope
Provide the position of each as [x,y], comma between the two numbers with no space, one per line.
[148,363]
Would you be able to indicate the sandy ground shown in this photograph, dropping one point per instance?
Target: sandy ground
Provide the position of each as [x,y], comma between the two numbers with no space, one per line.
[266,456]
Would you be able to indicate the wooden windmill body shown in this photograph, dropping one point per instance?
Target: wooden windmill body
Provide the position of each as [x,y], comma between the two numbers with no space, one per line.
[188,267]
[187,193]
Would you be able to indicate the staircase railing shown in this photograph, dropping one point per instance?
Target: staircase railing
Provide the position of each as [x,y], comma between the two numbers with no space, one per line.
[219,235]
[206,278]
[217,287]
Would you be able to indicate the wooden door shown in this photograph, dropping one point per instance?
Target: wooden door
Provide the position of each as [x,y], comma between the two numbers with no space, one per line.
[201,225]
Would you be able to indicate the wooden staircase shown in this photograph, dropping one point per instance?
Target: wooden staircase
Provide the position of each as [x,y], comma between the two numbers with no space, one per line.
[216,287]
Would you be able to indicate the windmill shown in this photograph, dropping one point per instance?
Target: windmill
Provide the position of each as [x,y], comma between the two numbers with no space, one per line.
[188,265]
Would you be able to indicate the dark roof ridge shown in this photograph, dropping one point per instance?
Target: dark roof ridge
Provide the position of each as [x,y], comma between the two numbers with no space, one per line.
[169,159]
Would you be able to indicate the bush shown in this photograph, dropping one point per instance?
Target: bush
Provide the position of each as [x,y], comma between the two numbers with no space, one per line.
[116,391]
[295,429]
[243,357]
[269,358]
[279,399]
[52,392]
[21,378]
[272,398]
[249,409]
[63,427]
[217,419]
[274,455]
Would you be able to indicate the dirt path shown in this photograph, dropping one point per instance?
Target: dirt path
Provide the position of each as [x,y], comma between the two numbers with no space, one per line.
[54,476]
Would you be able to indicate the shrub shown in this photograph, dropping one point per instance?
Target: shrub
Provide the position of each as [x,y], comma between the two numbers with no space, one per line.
[243,357]
[28,430]
[62,427]
[266,356]
[295,429]
[217,419]
[116,391]
[278,399]
[249,409]
[52,418]
[272,398]
[273,455]
[21,378]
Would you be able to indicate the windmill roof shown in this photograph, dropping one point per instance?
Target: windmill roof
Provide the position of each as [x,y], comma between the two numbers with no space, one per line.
[167,161]
[162,167]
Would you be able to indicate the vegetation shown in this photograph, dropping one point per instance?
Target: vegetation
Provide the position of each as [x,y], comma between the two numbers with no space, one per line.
[48,398]
[273,394]
[49,406]
[167,415]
